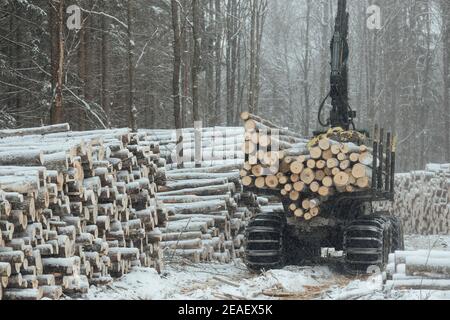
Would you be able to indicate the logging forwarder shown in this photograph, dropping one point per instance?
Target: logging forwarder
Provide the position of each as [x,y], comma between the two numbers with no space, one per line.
[347,220]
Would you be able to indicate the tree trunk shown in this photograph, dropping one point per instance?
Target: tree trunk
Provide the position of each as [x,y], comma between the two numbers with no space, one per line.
[132,111]
[306,85]
[210,90]
[106,72]
[260,21]
[176,77]
[18,65]
[231,60]
[252,87]
[57,58]
[324,49]
[218,54]
[445,5]
[82,71]
[195,81]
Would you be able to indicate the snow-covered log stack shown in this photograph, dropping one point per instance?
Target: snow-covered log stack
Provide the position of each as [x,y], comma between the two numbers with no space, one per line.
[305,172]
[218,145]
[422,200]
[75,209]
[419,270]
[207,211]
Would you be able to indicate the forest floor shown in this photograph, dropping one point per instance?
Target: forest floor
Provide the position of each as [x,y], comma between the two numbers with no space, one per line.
[234,282]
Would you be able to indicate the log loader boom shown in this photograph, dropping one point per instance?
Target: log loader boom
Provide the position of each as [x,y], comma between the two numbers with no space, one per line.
[341,114]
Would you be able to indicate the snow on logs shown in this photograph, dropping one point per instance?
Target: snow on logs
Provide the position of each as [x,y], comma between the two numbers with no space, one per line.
[422,200]
[76,209]
[207,214]
[305,173]
[418,270]
[207,210]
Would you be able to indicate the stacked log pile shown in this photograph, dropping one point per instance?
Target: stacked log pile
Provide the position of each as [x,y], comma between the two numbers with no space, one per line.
[419,270]
[76,209]
[217,144]
[305,172]
[422,200]
[207,210]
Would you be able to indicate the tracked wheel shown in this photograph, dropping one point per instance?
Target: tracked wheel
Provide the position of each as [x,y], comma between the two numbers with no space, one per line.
[367,244]
[264,242]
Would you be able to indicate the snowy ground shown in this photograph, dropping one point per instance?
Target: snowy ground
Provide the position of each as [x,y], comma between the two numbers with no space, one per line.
[234,282]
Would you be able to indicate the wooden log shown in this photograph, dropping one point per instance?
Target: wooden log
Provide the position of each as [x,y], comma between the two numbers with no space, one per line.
[314,187]
[319,175]
[56,161]
[181,226]
[366,158]
[348,148]
[418,284]
[21,158]
[181,236]
[324,144]
[197,207]
[294,195]
[341,179]
[12,257]
[296,151]
[31,281]
[299,186]
[52,292]
[203,191]
[5,269]
[314,203]
[272,182]
[288,187]
[193,218]
[46,280]
[182,244]
[20,184]
[299,212]
[307,176]
[128,254]
[306,204]
[363,182]
[315,153]
[255,123]
[314,211]
[360,171]
[400,256]
[197,183]
[66,266]
[214,165]
[332,163]
[58,128]
[23,294]
[248,116]
[336,148]
[247,181]
[231,176]
[296,167]
[424,266]
[293,178]
[193,255]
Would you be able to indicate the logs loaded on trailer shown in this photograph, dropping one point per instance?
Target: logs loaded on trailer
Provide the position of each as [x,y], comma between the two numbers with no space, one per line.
[207,210]
[306,172]
[418,270]
[422,200]
[76,209]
